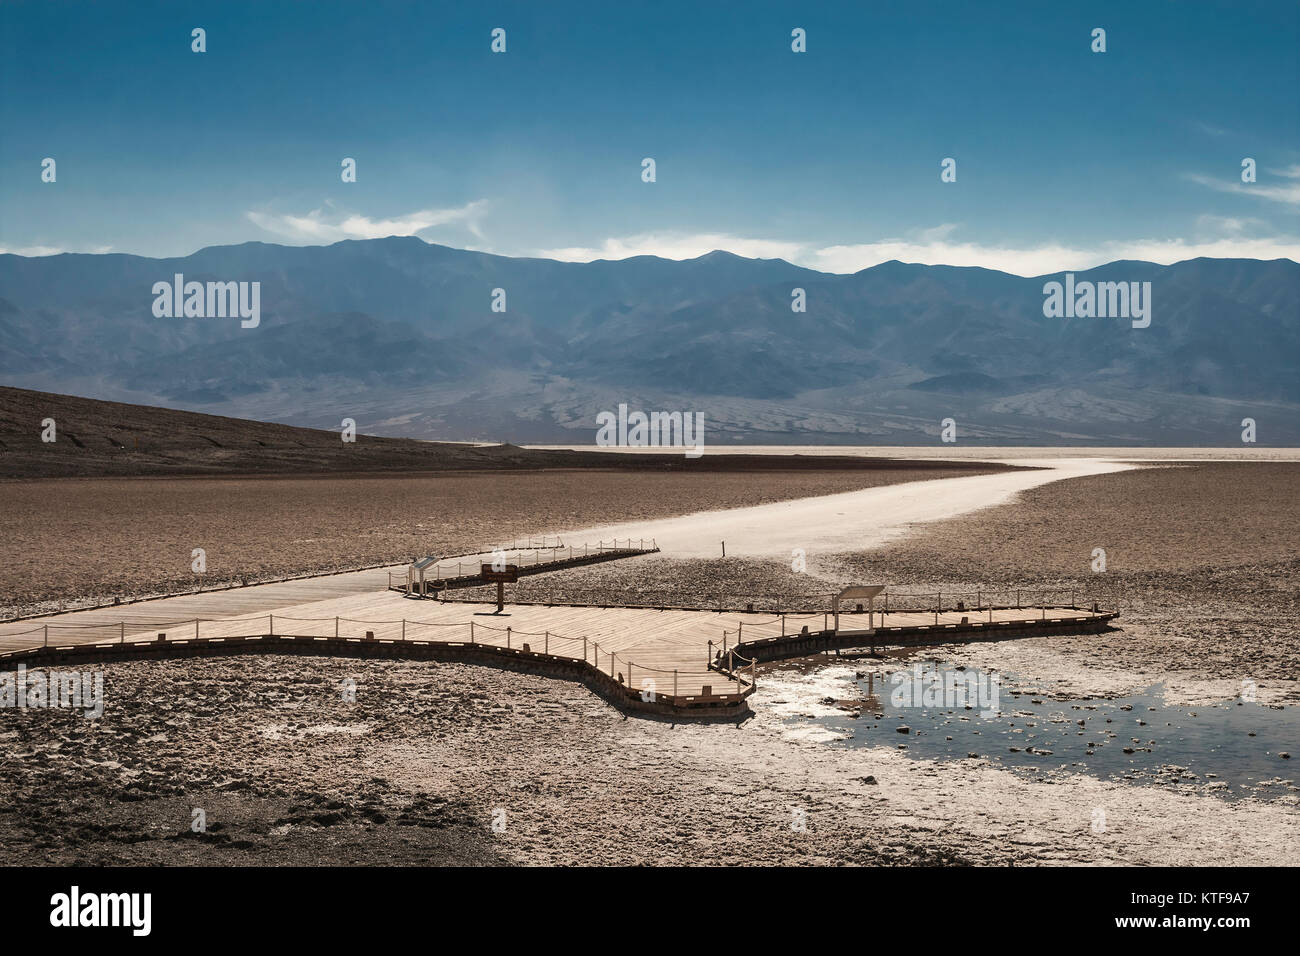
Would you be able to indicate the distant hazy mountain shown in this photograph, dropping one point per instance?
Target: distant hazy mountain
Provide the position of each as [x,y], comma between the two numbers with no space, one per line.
[400,335]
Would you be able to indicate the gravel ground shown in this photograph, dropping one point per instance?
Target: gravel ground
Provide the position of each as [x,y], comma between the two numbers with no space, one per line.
[419,767]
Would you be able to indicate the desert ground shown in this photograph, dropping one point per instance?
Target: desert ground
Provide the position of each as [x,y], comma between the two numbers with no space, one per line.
[1202,563]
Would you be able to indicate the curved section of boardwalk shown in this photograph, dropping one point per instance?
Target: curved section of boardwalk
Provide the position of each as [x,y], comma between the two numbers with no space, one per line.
[674,662]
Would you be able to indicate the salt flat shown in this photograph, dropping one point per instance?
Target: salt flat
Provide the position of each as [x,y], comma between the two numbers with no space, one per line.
[1012,454]
[849,521]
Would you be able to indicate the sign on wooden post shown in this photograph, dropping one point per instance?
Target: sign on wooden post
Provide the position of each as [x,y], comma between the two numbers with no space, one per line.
[509,574]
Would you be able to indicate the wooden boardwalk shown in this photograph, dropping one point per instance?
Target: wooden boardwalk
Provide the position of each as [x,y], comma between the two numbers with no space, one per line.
[665,652]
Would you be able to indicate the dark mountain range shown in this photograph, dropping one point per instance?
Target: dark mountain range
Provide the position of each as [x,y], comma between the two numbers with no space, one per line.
[400,335]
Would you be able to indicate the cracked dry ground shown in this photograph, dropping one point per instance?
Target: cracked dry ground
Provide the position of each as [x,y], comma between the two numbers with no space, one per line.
[289,772]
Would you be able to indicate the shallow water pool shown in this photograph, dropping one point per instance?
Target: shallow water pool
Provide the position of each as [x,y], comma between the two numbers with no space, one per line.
[1232,748]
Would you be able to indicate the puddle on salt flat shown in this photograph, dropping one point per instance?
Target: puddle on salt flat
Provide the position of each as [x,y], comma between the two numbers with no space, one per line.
[1231,748]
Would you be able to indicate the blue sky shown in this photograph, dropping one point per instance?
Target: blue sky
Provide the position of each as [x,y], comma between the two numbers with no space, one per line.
[831,158]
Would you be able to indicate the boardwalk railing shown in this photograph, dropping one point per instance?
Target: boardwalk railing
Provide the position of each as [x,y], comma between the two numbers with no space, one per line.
[982,600]
[653,685]
[728,652]
[548,592]
[558,554]
[728,661]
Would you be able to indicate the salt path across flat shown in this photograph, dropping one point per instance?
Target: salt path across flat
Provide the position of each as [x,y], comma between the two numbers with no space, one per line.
[851,521]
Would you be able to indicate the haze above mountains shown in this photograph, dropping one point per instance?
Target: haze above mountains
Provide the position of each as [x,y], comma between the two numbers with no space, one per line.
[399,335]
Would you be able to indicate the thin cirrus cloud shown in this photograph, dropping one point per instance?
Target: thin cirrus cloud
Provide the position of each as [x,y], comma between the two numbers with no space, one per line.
[1044,259]
[668,245]
[1216,237]
[327,225]
[936,246]
[1286,193]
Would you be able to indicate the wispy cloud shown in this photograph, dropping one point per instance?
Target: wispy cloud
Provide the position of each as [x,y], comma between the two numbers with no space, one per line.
[941,249]
[1051,257]
[1287,193]
[670,245]
[1228,225]
[329,225]
[1217,237]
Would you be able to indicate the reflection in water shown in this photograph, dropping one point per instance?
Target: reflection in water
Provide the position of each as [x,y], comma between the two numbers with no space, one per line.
[1234,748]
